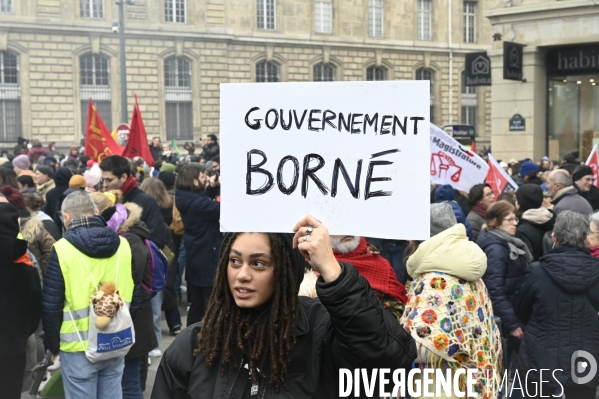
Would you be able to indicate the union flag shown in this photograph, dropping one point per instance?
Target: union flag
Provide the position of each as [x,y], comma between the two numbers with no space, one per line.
[594,164]
[99,143]
[498,178]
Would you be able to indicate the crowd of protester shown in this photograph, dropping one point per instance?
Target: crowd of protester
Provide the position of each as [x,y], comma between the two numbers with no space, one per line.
[506,281]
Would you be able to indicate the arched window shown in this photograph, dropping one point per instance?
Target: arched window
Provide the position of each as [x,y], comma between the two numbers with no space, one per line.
[427,74]
[324,73]
[10,97]
[178,96]
[267,71]
[95,84]
[469,103]
[376,73]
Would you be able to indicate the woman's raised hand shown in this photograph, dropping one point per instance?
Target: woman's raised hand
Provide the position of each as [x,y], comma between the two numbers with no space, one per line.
[312,239]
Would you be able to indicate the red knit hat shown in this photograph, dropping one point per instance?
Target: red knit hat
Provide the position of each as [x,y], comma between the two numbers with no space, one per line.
[376,269]
[15,197]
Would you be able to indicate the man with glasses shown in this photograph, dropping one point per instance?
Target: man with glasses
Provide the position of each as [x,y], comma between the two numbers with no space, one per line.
[565,195]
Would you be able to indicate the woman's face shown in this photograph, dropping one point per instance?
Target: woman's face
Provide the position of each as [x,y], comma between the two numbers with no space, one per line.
[593,238]
[74,152]
[250,271]
[488,197]
[509,224]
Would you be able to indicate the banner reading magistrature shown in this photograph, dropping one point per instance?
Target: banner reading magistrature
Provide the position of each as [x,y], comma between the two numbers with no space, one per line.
[498,178]
[353,154]
[452,164]
[593,162]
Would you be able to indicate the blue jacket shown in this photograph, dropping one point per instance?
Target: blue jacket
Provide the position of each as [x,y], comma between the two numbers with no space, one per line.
[503,278]
[446,193]
[96,241]
[202,236]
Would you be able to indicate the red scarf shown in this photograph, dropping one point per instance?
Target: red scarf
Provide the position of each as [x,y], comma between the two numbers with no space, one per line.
[376,269]
[594,252]
[25,259]
[129,185]
[480,210]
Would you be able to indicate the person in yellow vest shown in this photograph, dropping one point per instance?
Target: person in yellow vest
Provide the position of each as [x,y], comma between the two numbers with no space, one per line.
[90,251]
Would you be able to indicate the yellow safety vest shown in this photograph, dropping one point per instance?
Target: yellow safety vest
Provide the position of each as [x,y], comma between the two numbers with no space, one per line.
[79,286]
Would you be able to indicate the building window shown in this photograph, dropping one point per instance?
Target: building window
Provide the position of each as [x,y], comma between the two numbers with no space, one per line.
[266,14]
[323,16]
[175,11]
[10,97]
[424,19]
[375,18]
[376,73]
[267,72]
[92,8]
[324,73]
[469,103]
[6,6]
[179,104]
[95,84]
[427,74]
[469,22]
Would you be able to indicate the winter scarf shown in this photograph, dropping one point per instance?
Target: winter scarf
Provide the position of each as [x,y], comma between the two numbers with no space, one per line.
[538,216]
[516,245]
[594,251]
[480,210]
[375,269]
[129,185]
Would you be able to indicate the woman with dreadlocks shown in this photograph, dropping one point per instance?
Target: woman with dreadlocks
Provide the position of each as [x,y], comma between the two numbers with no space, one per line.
[259,339]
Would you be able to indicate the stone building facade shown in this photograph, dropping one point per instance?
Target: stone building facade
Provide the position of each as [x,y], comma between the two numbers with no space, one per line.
[179,51]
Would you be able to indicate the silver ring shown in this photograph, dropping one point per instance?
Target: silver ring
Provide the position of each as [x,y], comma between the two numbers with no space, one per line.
[306,237]
[317,224]
[309,230]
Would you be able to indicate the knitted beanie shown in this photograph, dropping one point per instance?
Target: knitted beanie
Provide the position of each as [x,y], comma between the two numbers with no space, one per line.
[46,170]
[529,196]
[77,181]
[21,161]
[582,172]
[168,178]
[442,218]
[168,167]
[528,168]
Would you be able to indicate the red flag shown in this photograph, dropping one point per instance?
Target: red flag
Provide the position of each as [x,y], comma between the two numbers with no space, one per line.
[473,148]
[498,179]
[594,164]
[138,146]
[99,143]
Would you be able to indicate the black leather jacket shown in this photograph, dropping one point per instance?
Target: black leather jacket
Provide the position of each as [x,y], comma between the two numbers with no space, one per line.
[345,328]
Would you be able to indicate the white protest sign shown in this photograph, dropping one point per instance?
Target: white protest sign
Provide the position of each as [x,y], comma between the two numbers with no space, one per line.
[353,154]
[453,164]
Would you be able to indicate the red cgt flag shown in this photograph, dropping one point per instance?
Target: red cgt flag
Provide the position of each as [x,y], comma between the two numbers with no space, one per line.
[498,179]
[99,143]
[593,162]
[137,146]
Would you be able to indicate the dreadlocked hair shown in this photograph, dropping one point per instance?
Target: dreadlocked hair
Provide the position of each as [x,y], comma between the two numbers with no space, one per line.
[265,336]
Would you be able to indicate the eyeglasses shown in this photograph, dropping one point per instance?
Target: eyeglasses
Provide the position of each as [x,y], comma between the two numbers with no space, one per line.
[512,220]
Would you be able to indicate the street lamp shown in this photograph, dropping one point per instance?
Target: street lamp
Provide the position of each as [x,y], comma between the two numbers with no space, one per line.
[121,29]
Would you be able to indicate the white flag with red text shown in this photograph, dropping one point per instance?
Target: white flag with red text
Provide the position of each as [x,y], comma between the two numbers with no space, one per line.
[453,164]
[498,178]
[592,161]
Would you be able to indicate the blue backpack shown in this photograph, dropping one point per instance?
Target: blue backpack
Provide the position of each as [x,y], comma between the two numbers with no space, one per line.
[159,268]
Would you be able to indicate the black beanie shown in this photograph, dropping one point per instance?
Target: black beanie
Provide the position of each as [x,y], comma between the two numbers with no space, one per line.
[582,171]
[168,178]
[529,196]
[9,220]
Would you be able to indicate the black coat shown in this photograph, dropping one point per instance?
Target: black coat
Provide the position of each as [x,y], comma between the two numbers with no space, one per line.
[156,152]
[503,278]
[96,241]
[592,196]
[559,316]
[61,179]
[202,236]
[143,321]
[532,234]
[151,215]
[20,297]
[345,328]
[210,151]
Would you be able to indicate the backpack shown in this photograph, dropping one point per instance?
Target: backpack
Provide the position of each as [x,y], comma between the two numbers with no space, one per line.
[158,267]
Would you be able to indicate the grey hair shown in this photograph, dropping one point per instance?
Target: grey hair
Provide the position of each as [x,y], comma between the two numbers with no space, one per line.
[562,177]
[571,229]
[78,204]
[594,218]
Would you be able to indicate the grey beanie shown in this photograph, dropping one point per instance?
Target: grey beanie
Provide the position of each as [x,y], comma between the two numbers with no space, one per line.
[442,218]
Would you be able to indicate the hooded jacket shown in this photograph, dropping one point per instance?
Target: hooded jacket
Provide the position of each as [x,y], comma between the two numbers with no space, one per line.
[96,241]
[61,179]
[135,231]
[446,193]
[503,278]
[568,199]
[37,151]
[39,241]
[202,236]
[20,297]
[556,304]
[344,328]
[533,225]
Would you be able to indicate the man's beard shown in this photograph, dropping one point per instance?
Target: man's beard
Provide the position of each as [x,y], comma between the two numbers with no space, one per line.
[344,247]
